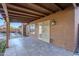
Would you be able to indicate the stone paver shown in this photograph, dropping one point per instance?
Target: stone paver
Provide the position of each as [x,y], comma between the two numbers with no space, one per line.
[33,47]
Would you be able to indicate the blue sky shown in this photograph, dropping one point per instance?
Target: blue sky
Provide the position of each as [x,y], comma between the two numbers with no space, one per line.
[16,25]
[1,22]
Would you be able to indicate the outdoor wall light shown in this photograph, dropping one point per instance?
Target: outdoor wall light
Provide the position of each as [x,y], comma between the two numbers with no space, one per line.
[53,22]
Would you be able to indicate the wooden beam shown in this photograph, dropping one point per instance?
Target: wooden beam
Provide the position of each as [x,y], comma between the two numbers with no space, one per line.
[21,20]
[21,16]
[30,6]
[25,10]
[22,13]
[7,24]
[59,7]
[38,5]
[17,13]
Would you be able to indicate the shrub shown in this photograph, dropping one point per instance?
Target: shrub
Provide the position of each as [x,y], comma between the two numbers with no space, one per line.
[2,46]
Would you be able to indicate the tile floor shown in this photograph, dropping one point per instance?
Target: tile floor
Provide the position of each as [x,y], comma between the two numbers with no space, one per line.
[29,46]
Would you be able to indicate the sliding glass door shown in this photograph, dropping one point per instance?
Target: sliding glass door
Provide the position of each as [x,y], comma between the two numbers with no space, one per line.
[44,31]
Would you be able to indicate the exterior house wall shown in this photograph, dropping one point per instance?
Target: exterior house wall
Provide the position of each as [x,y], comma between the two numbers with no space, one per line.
[61,34]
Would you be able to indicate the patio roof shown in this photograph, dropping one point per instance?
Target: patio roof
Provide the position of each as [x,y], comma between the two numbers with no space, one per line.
[27,12]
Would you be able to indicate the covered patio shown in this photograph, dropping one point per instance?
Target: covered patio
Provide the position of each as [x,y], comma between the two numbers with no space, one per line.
[48,29]
[29,46]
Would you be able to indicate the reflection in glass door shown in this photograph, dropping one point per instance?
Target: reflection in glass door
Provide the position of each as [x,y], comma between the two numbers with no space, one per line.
[44,31]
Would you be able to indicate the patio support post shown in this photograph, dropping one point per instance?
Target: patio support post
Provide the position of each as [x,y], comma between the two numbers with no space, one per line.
[7,24]
[24,29]
[7,33]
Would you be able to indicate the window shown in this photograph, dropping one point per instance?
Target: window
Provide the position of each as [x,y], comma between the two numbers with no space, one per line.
[32,28]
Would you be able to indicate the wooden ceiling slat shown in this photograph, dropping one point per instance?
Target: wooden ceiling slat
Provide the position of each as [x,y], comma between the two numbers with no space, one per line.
[11,14]
[25,10]
[17,19]
[41,6]
[17,12]
[33,7]
[20,14]
[17,15]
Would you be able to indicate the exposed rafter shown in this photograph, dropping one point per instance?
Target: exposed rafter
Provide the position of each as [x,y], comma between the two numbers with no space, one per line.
[16,15]
[25,20]
[30,7]
[33,10]
[58,6]
[12,15]
[25,10]
[17,12]
[19,17]
[21,14]
[42,7]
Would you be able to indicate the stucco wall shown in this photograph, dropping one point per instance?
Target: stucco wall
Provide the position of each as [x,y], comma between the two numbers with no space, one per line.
[61,34]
